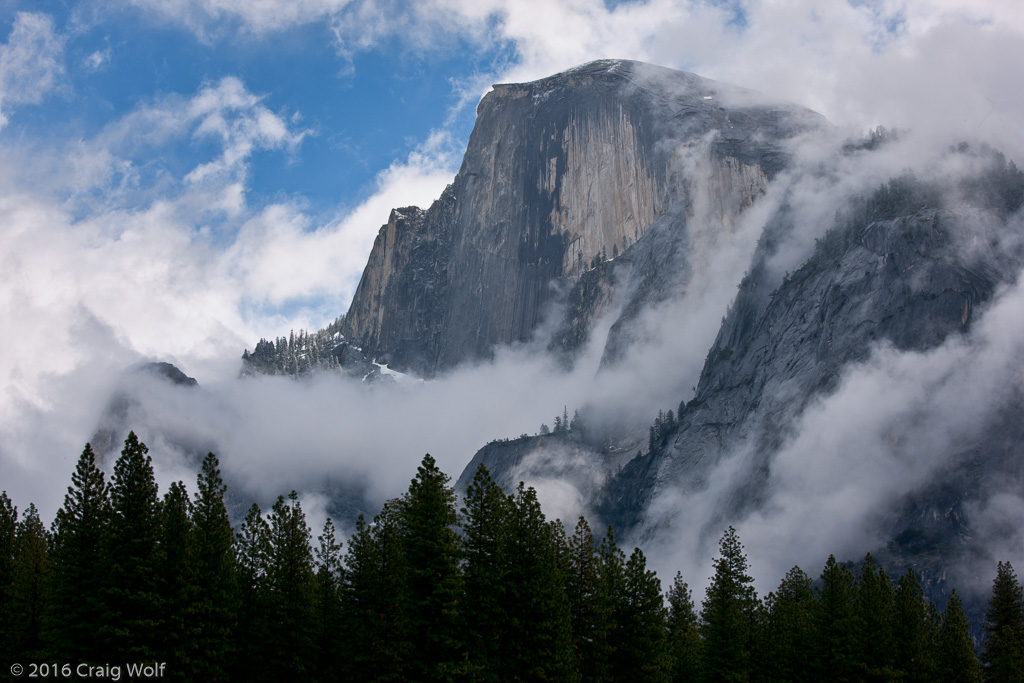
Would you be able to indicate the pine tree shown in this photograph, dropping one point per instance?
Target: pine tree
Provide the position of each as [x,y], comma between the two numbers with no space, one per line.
[590,615]
[132,598]
[252,550]
[684,643]
[727,616]
[761,655]
[8,529]
[214,575]
[431,547]
[912,629]
[485,519]
[539,631]
[790,614]
[376,642]
[291,591]
[80,573]
[328,604]
[640,651]
[30,569]
[834,652]
[1003,656]
[175,584]
[955,659]
[611,590]
[875,623]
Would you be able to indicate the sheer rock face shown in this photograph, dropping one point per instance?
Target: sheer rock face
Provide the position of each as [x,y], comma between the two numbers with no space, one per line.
[558,172]
[907,281]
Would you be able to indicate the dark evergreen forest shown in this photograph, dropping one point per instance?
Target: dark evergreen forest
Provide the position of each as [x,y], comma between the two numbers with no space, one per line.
[429,592]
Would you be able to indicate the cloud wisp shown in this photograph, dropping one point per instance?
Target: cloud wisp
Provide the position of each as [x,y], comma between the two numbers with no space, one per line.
[31,62]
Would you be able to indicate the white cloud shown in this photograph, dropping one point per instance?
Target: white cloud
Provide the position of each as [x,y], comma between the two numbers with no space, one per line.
[111,252]
[98,59]
[31,62]
[895,421]
[228,112]
[207,17]
[144,257]
[278,256]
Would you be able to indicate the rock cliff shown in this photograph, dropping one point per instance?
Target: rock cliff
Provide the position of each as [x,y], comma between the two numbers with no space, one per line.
[908,269]
[560,174]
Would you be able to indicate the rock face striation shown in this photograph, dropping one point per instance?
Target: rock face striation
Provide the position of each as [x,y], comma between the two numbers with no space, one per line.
[560,174]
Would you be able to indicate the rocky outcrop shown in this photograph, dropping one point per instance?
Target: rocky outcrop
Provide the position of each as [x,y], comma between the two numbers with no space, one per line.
[129,401]
[558,174]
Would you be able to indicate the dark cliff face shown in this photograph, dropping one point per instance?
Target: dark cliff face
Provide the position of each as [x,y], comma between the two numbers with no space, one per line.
[908,268]
[560,172]
[404,290]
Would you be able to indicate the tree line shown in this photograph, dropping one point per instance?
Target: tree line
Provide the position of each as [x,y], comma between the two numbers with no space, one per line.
[428,591]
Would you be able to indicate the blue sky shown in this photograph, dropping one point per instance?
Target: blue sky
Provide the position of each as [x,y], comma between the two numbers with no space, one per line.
[360,112]
[179,178]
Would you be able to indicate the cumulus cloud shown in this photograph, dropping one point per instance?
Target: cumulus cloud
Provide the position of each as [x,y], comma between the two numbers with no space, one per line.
[118,248]
[31,62]
[278,256]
